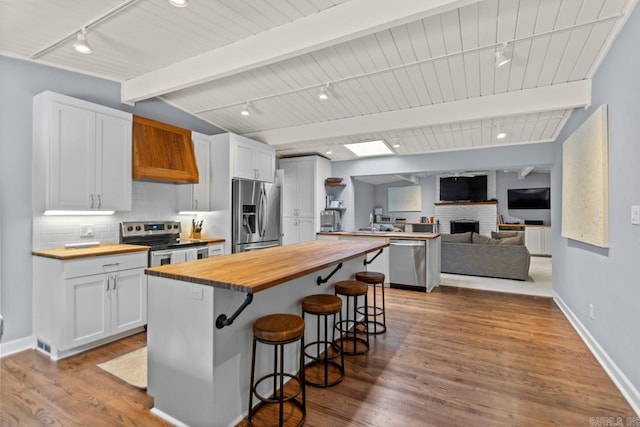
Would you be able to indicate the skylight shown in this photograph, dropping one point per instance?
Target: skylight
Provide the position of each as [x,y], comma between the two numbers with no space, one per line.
[369,148]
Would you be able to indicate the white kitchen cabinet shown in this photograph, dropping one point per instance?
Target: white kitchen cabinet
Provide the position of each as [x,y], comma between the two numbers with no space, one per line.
[82,303]
[215,249]
[196,197]
[82,155]
[538,240]
[303,196]
[252,159]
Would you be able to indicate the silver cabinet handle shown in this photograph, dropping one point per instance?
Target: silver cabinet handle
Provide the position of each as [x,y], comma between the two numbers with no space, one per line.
[92,201]
[99,201]
[115,282]
[196,202]
[108,280]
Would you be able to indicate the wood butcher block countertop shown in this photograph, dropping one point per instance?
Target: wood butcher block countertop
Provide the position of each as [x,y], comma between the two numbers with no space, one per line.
[256,271]
[91,251]
[383,234]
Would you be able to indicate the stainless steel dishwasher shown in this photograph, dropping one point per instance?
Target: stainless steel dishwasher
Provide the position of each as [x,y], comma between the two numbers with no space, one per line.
[407,264]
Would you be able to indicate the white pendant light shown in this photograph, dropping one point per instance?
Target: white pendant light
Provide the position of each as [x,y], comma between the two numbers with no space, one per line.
[245,110]
[81,45]
[324,92]
[501,58]
[500,134]
[179,3]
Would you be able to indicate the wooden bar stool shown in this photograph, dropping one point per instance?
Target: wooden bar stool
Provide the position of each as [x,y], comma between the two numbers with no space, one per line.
[374,326]
[323,306]
[351,327]
[278,330]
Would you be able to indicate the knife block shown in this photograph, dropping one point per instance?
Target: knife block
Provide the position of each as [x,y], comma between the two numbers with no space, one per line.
[195,234]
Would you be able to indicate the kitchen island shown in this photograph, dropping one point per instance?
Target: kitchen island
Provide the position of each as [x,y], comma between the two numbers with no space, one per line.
[198,373]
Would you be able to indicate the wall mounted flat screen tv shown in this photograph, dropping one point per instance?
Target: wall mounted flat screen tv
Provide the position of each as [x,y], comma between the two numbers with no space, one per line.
[463,188]
[529,198]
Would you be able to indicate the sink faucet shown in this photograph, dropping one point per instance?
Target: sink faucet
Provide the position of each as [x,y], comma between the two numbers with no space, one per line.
[371,222]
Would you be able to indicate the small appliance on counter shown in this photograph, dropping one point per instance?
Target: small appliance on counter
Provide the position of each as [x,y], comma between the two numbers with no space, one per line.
[330,221]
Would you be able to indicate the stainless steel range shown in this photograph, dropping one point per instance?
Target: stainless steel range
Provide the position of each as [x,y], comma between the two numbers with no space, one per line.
[163,239]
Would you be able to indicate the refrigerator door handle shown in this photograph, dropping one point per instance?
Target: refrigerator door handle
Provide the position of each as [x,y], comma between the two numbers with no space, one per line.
[263,215]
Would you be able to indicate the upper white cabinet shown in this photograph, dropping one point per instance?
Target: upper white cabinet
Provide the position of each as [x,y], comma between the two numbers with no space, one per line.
[81,155]
[303,196]
[196,197]
[252,159]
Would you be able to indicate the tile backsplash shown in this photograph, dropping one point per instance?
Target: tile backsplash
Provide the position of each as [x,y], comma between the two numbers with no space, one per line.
[152,201]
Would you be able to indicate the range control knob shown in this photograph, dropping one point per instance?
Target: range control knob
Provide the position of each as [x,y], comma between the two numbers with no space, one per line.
[138,228]
[130,228]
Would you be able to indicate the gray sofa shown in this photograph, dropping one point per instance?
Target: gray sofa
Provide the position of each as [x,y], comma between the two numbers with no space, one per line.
[503,255]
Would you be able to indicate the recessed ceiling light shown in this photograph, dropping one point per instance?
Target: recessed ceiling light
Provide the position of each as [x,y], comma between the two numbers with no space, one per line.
[81,45]
[324,92]
[245,110]
[500,134]
[369,148]
[179,3]
[396,145]
[501,58]
[329,151]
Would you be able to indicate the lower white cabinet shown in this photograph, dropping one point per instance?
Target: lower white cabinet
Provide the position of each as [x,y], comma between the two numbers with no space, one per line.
[298,230]
[215,249]
[83,303]
[538,240]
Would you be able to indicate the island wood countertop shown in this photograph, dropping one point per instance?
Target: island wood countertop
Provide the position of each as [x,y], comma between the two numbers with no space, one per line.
[383,234]
[256,271]
[91,251]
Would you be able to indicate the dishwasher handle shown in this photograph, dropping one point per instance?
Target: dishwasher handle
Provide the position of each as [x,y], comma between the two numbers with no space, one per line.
[406,244]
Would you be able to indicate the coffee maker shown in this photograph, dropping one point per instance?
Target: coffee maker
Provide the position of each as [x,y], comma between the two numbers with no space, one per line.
[330,221]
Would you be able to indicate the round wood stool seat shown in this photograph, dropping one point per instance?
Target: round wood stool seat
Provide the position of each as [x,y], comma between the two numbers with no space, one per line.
[351,287]
[278,328]
[375,311]
[321,304]
[371,277]
[351,329]
[326,367]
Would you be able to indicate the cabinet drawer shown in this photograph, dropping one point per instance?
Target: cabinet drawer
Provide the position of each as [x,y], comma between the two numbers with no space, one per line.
[103,264]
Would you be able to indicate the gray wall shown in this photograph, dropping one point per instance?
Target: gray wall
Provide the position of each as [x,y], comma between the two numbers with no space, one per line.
[362,209]
[427,195]
[499,158]
[19,82]
[509,180]
[609,278]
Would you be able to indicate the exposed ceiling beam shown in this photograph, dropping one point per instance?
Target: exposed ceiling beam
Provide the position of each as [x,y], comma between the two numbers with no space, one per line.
[547,98]
[524,172]
[335,25]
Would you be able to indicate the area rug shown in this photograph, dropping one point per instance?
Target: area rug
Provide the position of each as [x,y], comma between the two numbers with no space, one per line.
[130,368]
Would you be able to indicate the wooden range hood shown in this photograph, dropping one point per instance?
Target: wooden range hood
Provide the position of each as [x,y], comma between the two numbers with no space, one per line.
[162,152]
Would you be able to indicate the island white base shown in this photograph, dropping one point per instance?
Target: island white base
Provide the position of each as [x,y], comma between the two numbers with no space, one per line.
[199,375]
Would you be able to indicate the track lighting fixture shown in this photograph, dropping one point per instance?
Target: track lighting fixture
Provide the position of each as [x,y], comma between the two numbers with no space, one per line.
[501,58]
[329,151]
[81,45]
[245,110]
[500,134]
[324,92]
[179,3]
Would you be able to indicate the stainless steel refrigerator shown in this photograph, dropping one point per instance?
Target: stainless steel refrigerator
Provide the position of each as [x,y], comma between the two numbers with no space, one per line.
[255,215]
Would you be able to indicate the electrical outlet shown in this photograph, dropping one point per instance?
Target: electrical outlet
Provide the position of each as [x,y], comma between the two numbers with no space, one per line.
[86,230]
[591,311]
[196,293]
[635,215]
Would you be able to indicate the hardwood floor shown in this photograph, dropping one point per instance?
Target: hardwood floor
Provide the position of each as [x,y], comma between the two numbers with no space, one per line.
[455,357]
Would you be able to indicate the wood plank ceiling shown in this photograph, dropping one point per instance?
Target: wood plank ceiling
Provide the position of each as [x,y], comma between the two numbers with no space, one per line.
[420,75]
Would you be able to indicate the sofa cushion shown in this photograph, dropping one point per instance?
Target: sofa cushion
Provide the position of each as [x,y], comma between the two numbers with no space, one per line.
[503,234]
[456,238]
[483,240]
[515,240]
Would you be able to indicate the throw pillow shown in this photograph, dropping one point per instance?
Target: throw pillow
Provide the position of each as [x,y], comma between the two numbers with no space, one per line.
[457,237]
[479,238]
[503,234]
[516,240]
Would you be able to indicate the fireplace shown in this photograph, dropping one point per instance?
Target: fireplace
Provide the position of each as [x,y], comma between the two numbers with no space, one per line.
[462,226]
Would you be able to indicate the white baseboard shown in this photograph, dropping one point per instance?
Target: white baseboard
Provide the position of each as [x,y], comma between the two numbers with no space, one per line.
[628,390]
[168,418]
[16,346]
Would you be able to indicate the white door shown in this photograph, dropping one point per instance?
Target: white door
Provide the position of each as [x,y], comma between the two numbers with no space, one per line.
[201,189]
[87,310]
[244,164]
[265,164]
[305,178]
[128,300]
[72,158]
[113,163]
[289,189]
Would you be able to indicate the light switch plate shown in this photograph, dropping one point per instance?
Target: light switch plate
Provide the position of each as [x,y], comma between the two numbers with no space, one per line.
[635,215]
[86,230]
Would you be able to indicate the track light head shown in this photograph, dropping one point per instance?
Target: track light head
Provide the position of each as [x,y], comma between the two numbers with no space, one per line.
[500,133]
[245,109]
[179,3]
[324,92]
[501,58]
[81,45]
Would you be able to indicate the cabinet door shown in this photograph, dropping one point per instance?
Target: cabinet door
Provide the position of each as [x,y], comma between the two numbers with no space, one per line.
[113,163]
[200,196]
[87,313]
[265,161]
[306,230]
[290,230]
[546,237]
[244,163]
[533,240]
[71,179]
[128,295]
[215,249]
[289,189]
[305,177]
